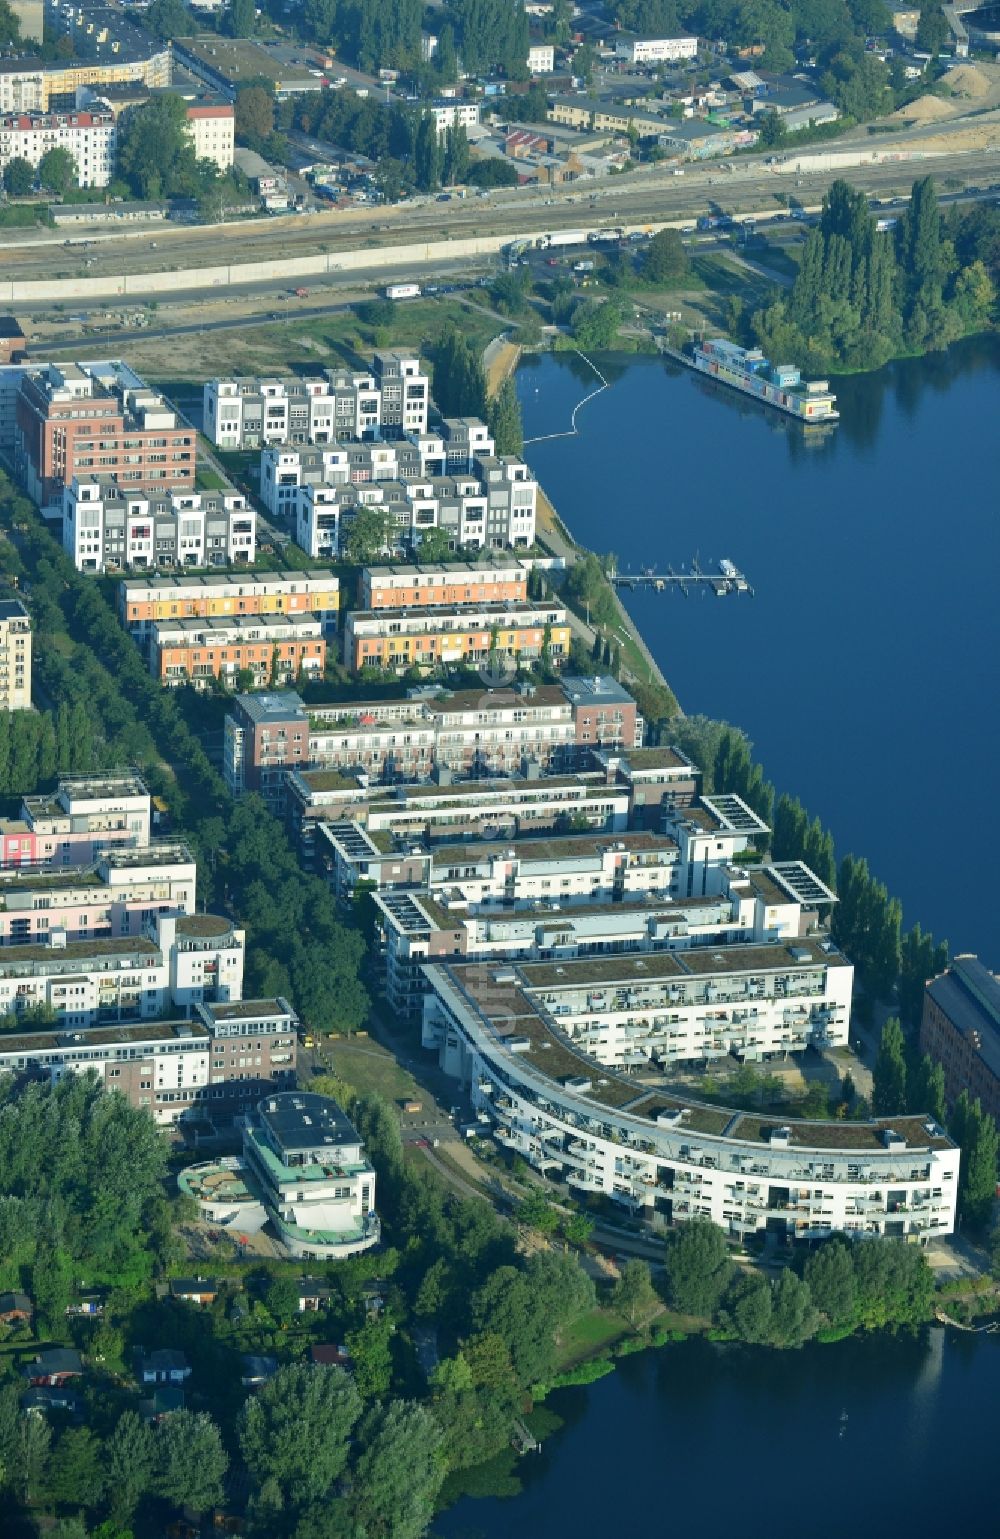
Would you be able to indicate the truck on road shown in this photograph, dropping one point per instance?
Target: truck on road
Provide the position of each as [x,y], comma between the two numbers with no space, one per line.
[562,238]
[403,291]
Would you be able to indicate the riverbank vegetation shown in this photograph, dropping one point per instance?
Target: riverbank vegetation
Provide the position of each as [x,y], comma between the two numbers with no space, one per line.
[864,295]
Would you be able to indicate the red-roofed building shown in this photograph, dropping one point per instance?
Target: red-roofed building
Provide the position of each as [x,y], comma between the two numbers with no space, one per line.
[88,136]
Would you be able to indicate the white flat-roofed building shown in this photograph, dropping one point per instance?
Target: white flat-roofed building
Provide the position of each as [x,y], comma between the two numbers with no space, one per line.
[214,1064]
[656,50]
[114,898]
[541,59]
[453,114]
[419,927]
[709,834]
[88,136]
[107,528]
[658,1154]
[15,655]
[388,401]
[307,1161]
[83,817]
[184,960]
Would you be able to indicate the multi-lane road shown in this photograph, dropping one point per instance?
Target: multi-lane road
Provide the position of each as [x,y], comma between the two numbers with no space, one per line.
[738,186]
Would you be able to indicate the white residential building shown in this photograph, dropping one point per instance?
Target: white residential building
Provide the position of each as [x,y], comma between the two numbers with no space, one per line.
[541,59]
[307,1162]
[757,907]
[107,528]
[185,960]
[453,114]
[114,898]
[85,816]
[211,127]
[389,401]
[88,136]
[15,656]
[554,1098]
[656,50]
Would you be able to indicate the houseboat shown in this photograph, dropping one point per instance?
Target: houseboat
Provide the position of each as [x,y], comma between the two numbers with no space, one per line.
[779,385]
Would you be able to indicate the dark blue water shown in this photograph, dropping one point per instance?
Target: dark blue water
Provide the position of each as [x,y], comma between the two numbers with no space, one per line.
[868,1438]
[865,671]
[865,668]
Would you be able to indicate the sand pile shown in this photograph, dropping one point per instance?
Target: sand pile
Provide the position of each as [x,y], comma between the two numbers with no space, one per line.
[926,109]
[967,80]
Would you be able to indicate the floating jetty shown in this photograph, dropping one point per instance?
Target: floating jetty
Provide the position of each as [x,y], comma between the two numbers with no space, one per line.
[745,369]
[727,579]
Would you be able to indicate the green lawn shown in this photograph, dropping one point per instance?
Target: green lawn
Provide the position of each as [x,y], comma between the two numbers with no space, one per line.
[589,1335]
[370,1069]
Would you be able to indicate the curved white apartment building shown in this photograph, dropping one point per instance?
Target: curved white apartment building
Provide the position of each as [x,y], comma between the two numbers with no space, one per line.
[573,1116]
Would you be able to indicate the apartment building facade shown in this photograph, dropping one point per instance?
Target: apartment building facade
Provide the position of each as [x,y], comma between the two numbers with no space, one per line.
[453,114]
[656,50]
[85,816]
[420,927]
[447,811]
[216,1064]
[145,601]
[960,1029]
[443,585]
[88,136]
[97,421]
[665,1157]
[115,898]
[273,649]
[468,733]
[108,528]
[389,401]
[29,85]
[183,960]
[513,632]
[15,656]
[211,128]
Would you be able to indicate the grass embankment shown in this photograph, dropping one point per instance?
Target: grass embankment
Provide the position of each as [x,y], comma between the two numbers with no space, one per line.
[340,339]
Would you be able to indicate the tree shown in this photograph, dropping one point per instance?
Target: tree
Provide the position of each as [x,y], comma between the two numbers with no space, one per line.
[933,30]
[296,1430]
[131,1458]
[537,1212]
[633,1295]
[34,1443]
[492,173]
[169,19]
[919,961]
[10,26]
[793,1317]
[772,131]
[456,155]
[435,545]
[253,109]
[666,258]
[242,18]
[283,1297]
[829,1272]
[504,418]
[889,1074]
[18,177]
[427,155]
[698,1267]
[57,171]
[77,1477]
[526,1307]
[398,1474]
[155,150]
[190,1460]
[749,1308]
[925,1090]
[975,1131]
[895,1285]
[368,535]
[370,1349]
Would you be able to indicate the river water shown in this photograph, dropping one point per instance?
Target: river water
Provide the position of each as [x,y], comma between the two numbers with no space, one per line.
[879,1437]
[865,667]
[865,670]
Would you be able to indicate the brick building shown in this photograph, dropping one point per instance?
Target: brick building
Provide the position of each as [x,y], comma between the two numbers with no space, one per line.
[97,420]
[960,1028]
[273,648]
